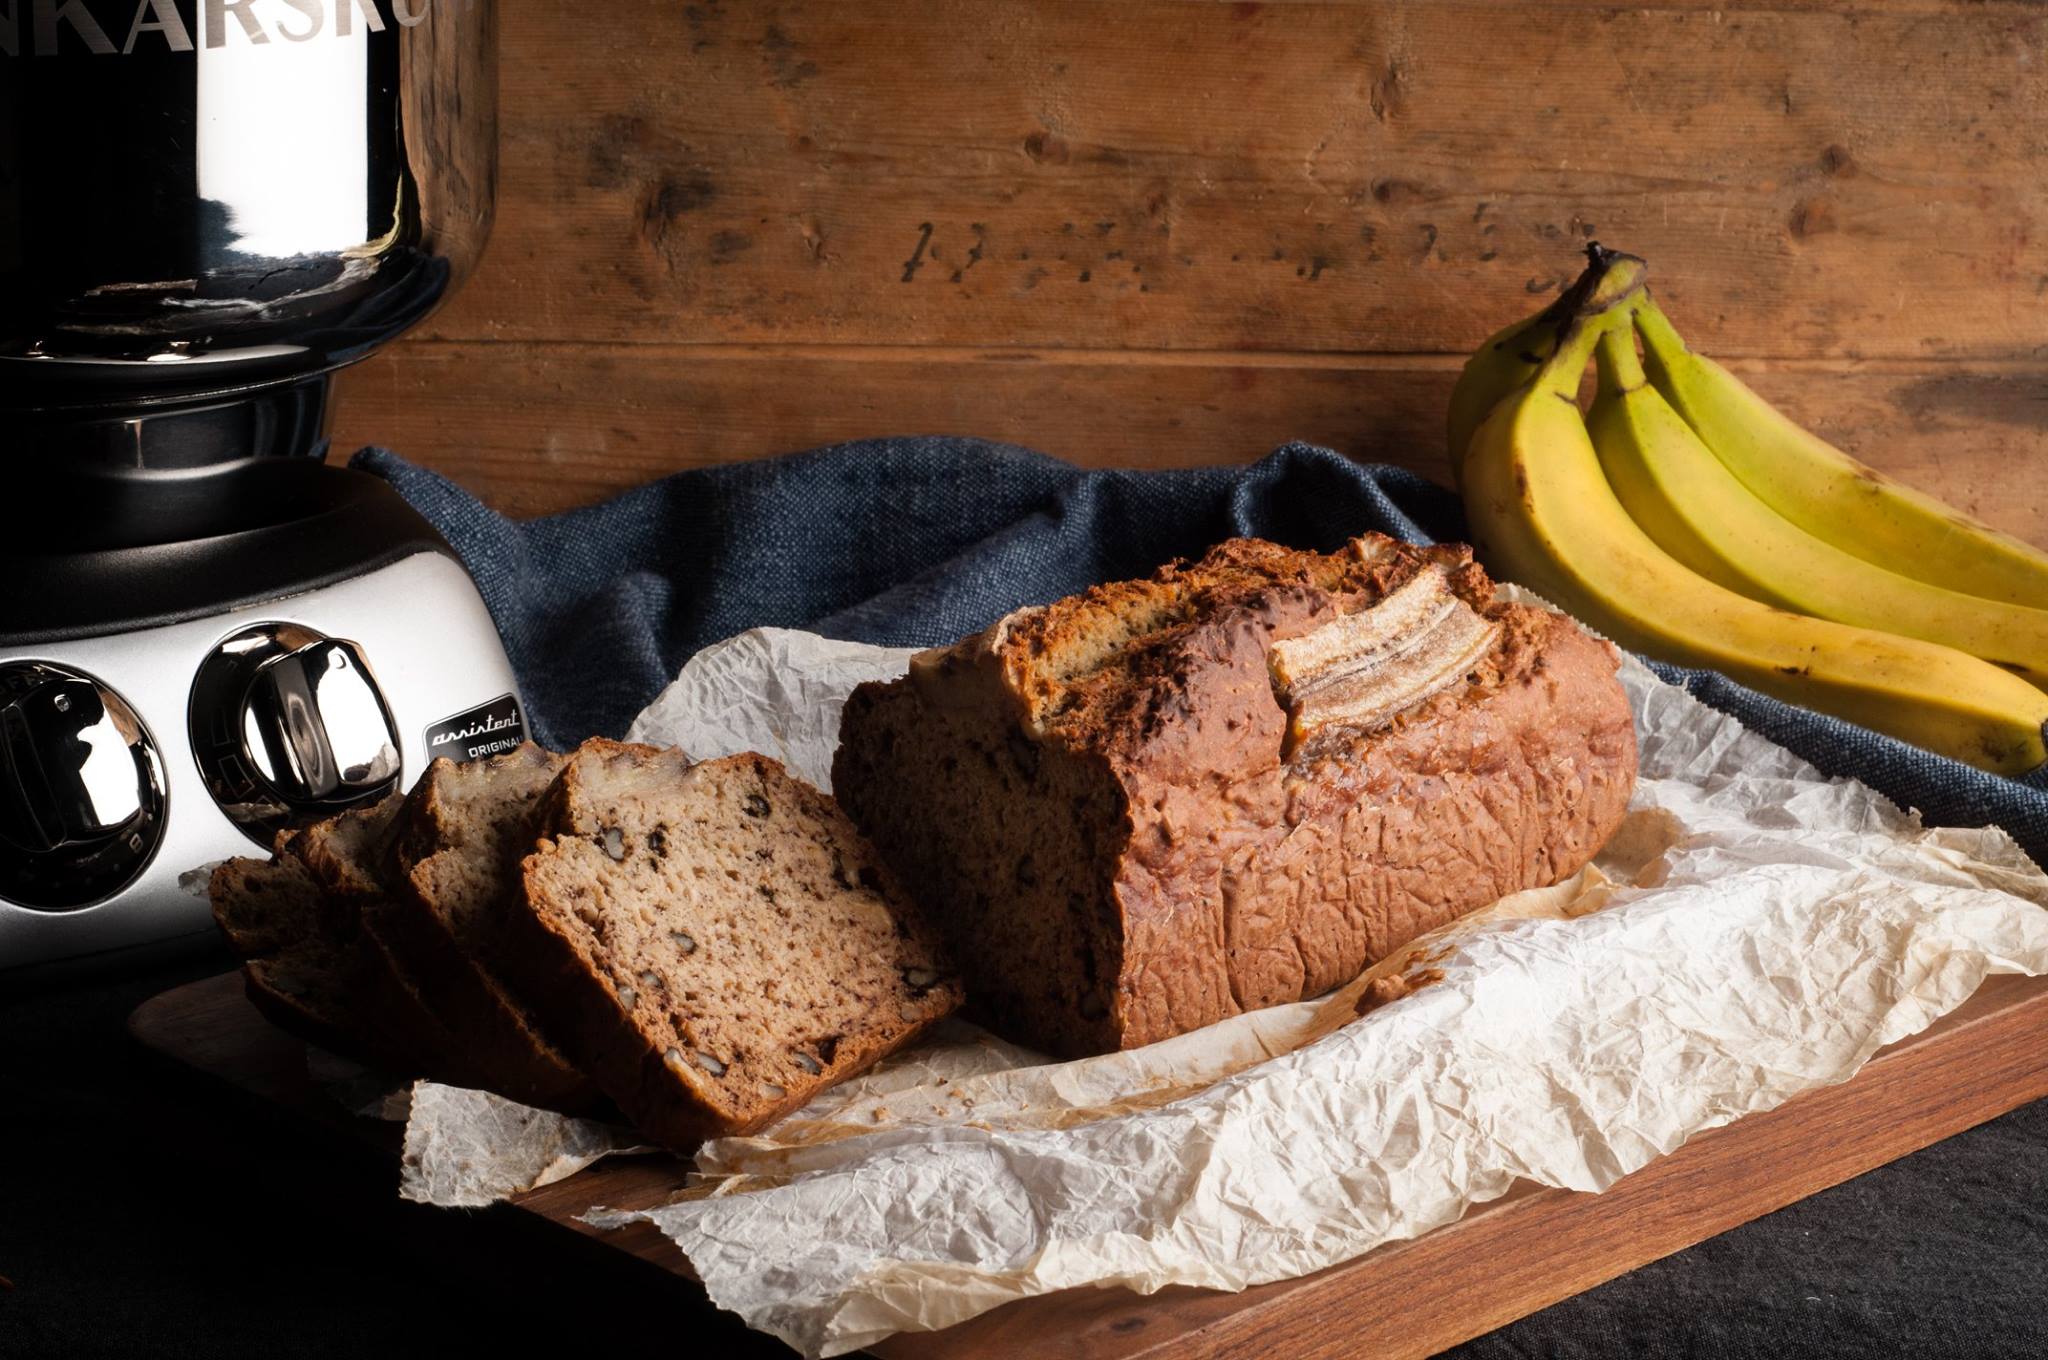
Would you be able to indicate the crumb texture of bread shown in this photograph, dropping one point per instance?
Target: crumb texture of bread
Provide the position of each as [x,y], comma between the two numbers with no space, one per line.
[716,943]
[1125,832]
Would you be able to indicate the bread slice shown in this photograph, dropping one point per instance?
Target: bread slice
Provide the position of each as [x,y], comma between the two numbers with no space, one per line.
[412,975]
[715,943]
[301,973]
[343,857]
[453,871]
[343,853]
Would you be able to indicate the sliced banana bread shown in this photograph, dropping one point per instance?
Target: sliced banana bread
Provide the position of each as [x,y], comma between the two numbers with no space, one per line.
[414,977]
[1234,784]
[303,974]
[715,943]
[337,951]
[345,855]
[453,868]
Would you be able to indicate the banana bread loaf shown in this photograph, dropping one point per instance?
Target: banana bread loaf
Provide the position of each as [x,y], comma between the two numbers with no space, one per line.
[1234,784]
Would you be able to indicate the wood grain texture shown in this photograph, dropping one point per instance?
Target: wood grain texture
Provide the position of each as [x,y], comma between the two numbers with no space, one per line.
[1347,177]
[730,228]
[1503,1260]
[542,427]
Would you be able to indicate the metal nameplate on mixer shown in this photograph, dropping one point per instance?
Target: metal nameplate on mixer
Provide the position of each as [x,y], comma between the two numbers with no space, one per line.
[486,730]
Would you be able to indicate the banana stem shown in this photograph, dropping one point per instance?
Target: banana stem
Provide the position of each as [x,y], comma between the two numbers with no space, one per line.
[1620,368]
[1600,301]
[1562,372]
[1609,278]
[1660,337]
[1614,278]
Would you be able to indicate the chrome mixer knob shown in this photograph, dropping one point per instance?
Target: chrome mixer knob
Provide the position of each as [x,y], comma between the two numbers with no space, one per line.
[316,728]
[81,788]
[289,726]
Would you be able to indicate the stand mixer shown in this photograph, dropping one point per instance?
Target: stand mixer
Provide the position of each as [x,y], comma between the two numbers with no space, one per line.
[209,636]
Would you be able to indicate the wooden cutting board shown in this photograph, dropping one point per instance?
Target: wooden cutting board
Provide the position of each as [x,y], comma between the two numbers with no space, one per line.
[1502,1261]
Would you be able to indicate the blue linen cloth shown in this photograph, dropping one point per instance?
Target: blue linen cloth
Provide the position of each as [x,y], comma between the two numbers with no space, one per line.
[918,541]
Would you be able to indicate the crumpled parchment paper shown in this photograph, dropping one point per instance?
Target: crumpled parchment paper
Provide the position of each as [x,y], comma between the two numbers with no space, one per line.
[1754,931]
[772,690]
[467,1149]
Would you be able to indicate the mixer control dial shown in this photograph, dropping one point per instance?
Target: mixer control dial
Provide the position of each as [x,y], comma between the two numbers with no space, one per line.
[81,788]
[289,727]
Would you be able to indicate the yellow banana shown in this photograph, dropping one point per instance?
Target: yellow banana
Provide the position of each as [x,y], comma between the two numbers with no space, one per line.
[1511,357]
[1694,508]
[1542,513]
[1829,494]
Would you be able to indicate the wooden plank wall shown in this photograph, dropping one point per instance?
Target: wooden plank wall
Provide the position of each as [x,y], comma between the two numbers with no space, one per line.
[1150,232]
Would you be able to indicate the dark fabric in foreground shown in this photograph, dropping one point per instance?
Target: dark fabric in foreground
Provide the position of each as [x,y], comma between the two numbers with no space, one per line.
[917,541]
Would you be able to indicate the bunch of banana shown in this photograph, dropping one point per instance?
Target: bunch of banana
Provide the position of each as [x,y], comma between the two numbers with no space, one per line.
[1687,519]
